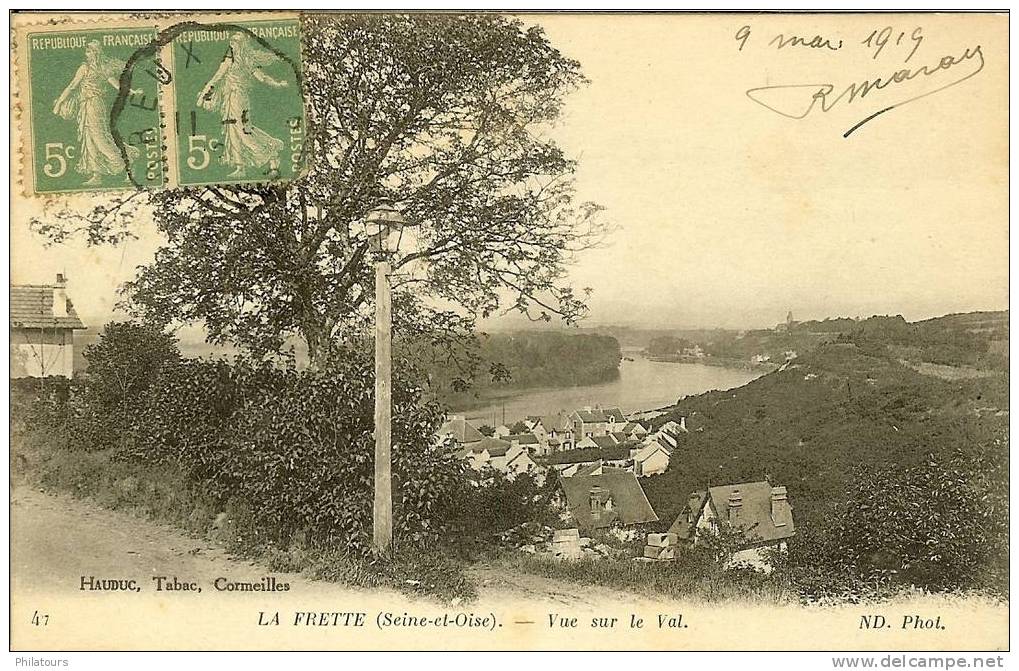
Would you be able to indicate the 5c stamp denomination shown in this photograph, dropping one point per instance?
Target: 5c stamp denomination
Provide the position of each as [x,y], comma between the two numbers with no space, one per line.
[152,103]
[77,78]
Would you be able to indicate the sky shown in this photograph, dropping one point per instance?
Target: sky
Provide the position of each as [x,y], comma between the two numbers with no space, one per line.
[727,213]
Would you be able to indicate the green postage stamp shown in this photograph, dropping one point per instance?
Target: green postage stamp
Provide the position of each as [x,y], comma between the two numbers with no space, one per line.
[237,116]
[77,80]
[112,105]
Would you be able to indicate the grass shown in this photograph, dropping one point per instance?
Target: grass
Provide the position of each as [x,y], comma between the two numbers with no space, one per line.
[686,580]
[165,495]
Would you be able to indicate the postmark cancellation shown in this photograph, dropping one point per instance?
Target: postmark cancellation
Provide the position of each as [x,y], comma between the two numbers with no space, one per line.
[141,103]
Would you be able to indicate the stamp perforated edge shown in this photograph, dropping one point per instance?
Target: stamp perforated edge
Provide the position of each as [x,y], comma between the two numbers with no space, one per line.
[21,85]
[22,157]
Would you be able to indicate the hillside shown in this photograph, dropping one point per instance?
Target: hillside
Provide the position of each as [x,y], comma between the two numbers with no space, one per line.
[523,360]
[860,403]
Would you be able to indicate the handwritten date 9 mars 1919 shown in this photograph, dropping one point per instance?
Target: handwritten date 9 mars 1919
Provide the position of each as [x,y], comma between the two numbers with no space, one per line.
[876,41]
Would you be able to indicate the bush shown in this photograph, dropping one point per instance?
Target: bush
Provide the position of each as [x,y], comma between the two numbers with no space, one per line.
[940,525]
[40,402]
[297,447]
[124,363]
[494,503]
[931,524]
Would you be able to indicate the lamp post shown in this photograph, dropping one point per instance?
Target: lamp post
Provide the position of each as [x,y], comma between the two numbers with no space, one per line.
[383,222]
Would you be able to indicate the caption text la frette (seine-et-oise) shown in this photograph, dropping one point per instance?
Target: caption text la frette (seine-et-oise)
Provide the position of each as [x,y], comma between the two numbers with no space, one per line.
[459,620]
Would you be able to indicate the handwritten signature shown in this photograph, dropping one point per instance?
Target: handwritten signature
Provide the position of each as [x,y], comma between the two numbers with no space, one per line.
[822,94]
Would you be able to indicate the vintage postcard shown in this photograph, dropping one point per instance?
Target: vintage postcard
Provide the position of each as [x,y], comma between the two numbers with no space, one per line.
[490,331]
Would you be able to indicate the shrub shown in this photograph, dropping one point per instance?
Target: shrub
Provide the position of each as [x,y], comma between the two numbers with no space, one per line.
[124,363]
[40,403]
[932,524]
[939,525]
[493,503]
[297,447]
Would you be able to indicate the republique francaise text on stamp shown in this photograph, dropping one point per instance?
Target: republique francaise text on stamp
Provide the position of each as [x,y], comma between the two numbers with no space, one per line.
[135,104]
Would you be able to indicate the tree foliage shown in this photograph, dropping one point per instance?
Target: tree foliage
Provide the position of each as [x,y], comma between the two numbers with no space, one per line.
[124,363]
[446,116]
[293,448]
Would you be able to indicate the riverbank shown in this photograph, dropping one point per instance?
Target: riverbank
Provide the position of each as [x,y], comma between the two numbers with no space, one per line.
[723,362]
[642,384]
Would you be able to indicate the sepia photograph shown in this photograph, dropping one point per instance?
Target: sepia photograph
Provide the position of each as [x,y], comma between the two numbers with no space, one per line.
[494,331]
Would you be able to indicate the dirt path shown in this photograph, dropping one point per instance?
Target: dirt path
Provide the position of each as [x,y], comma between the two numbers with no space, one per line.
[56,539]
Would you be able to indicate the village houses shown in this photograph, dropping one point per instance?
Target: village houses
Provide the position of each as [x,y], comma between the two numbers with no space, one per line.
[650,459]
[607,497]
[600,486]
[762,511]
[569,443]
[43,322]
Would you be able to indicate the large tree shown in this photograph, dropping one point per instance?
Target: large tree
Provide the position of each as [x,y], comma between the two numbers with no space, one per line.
[446,116]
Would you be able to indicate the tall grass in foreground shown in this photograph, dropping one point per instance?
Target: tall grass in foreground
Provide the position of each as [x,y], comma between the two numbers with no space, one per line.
[656,580]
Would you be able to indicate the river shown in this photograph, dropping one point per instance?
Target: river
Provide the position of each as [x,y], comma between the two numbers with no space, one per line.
[642,385]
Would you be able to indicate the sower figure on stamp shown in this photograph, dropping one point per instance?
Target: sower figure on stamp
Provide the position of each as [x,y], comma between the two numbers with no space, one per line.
[229,93]
[85,98]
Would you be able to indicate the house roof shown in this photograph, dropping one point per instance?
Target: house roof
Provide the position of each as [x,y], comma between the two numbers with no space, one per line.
[589,469]
[558,422]
[755,515]
[586,455]
[603,442]
[522,438]
[590,416]
[32,307]
[634,426]
[629,504]
[615,414]
[495,446]
[682,526]
[649,449]
[619,436]
[520,453]
[461,430]
[664,444]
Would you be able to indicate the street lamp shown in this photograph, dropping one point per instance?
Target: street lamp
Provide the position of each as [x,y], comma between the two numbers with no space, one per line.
[383,223]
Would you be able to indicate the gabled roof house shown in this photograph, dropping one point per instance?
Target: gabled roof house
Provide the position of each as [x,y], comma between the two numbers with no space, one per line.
[43,322]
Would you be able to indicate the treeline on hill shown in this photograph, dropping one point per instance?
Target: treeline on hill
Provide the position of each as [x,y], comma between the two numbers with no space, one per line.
[510,361]
[286,455]
[893,475]
[977,339]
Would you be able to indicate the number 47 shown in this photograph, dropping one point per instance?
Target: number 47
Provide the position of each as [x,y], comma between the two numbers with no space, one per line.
[57,155]
[40,620]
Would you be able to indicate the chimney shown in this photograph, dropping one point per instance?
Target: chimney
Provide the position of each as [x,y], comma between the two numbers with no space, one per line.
[60,296]
[692,503]
[682,423]
[781,512]
[735,507]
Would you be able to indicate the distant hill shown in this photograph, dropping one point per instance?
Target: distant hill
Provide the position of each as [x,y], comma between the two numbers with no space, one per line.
[529,359]
[864,400]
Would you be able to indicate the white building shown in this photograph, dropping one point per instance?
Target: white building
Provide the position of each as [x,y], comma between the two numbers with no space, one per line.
[43,322]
